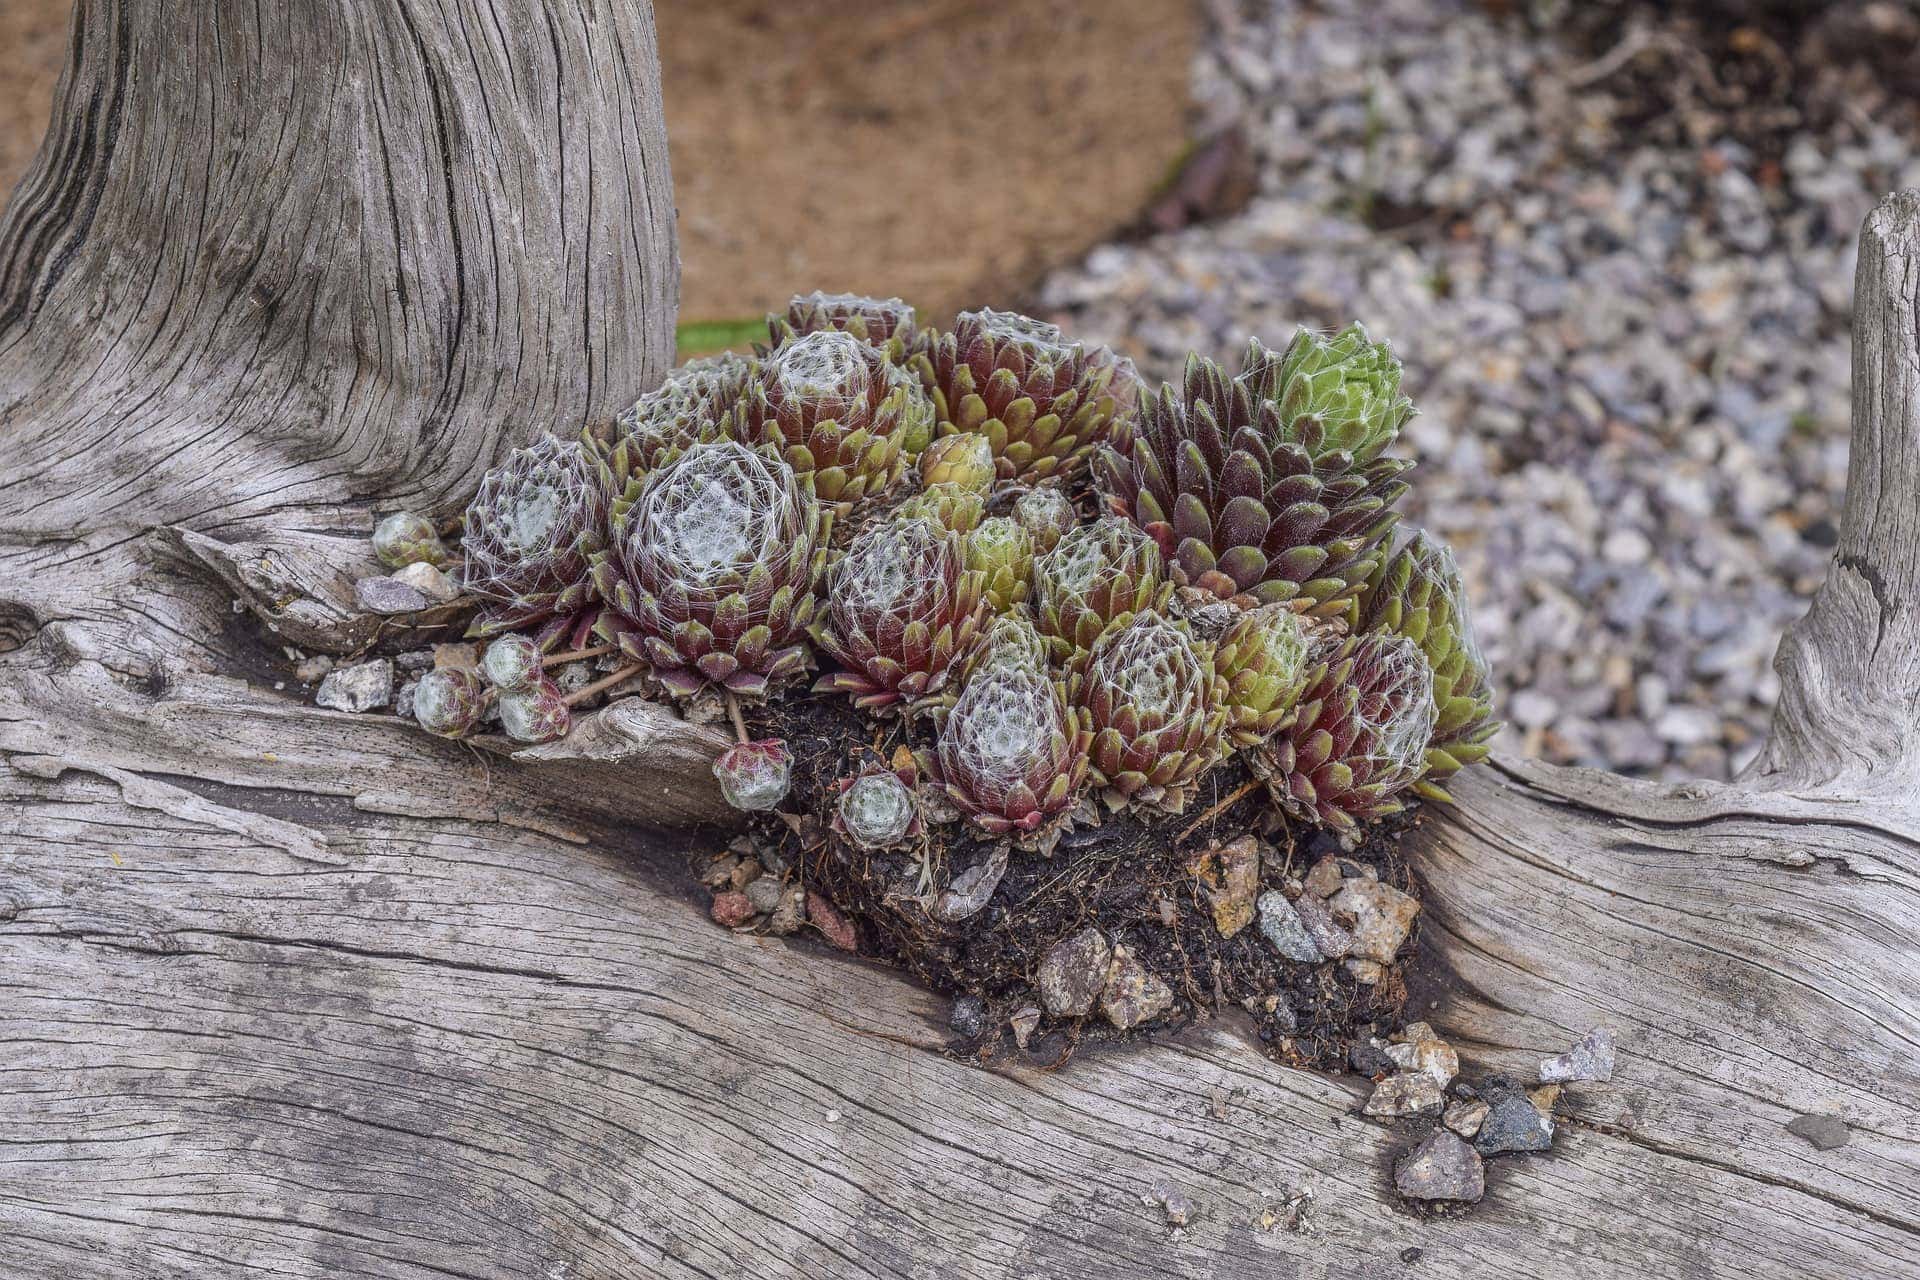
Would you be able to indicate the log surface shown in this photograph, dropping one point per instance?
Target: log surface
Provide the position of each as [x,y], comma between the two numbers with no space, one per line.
[286,992]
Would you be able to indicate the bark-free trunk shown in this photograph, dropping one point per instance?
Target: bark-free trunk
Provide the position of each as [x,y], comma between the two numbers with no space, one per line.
[289,992]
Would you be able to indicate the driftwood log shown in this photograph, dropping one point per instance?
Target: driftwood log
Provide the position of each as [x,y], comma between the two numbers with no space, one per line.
[294,993]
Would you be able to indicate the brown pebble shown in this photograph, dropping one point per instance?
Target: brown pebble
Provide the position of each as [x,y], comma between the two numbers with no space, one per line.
[731,909]
[826,917]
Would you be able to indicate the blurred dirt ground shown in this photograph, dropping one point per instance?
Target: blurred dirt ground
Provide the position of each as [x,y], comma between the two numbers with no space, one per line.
[949,151]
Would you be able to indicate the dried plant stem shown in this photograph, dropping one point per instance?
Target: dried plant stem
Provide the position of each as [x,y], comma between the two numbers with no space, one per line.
[578,655]
[575,698]
[739,722]
[1216,810]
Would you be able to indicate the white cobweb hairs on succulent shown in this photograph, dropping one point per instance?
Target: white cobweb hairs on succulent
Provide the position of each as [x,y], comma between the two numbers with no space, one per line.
[890,564]
[1147,663]
[827,368]
[1398,706]
[1039,340]
[522,501]
[713,514]
[1012,640]
[877,809]
[1005,718]
[1081,562]
[860,304]
[1450,584]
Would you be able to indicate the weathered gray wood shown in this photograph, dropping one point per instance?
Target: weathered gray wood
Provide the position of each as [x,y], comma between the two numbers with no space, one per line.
[290,992]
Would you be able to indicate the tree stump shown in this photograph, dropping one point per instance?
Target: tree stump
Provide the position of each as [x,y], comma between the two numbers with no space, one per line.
[293,992]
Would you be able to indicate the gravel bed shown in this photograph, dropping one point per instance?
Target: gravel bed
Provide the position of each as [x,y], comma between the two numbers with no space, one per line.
[1617,261]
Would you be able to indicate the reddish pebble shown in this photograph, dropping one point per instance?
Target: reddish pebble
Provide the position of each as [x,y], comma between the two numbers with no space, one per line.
[731,909]
[827,918]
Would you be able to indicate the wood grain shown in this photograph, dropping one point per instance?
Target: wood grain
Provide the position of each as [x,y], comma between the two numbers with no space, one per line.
[288,992]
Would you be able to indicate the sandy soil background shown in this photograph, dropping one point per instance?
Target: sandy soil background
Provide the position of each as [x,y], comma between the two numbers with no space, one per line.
[949,151]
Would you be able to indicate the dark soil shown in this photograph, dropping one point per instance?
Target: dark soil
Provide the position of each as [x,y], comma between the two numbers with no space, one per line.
[1128,877]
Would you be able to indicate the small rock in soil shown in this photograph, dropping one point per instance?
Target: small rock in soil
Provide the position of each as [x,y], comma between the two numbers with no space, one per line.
[833,926]
[764,894]
[789,913]
[1405,1095]
[457,655]
[436,586]
[313,670]
[1332,940]
[745,872]
[361,687]
[1590,1059]
[1230,876]
[413,661]
[1382,917]
[1365,972]
[719,871]
[387,596]
[403,699]
[1465,1118]
[1441,1168]
[968,1017]
[1418,1050]
[731,909]
[1325,879]
[1023,1023]
[1369,1058]
[1824,1132]
[1512,1123]
[1073,974]
[1133,995]
[1281,923]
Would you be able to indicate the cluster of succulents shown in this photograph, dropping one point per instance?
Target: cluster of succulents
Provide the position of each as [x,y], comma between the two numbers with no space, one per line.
[1069,595]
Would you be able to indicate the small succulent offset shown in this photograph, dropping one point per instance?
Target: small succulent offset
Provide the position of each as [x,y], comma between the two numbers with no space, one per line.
[1096,578]
[754,776]
[689,407]
[1001,550]
[902,605]
[877,809]
[450,702]
[886,324]
[1156,707]
[711,572]
[1266,658]
[1347,383]
[404,538]
[1041,401]
[1418,594]
[1011,753]
[531,535]
[1359,739]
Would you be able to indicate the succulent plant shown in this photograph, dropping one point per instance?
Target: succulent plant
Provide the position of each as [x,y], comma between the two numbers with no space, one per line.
[536,713]
[836,410]
[876,810]
[964,459]
[1001,551]
[404,538]
[1096,578]
[885,323]
[1156,708]
[948,505]
[1418,594]
[512,661]
[1359,738]
[710,575]
[1034,394]
[1247,504]
[1011,753]
[1047,513]
[1266,659]
[754,776]
[902,606]
[531,534]
[1348,383]
[449,701]
[1009,640]
[692,405]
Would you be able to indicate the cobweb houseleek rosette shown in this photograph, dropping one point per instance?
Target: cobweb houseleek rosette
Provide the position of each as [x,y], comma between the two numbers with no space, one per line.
[1265,657]
[1011,752]
[902,606]
[531,534]
[1346,382]
[711,571]
[1417,593]
[1096,577]
[1247,504]
[837,411]
[1156,708]
[886,324]
[1041,399]
[692,405]
[1358,741]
